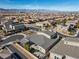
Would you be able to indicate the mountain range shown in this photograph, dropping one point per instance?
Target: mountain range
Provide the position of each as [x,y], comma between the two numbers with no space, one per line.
[36,10]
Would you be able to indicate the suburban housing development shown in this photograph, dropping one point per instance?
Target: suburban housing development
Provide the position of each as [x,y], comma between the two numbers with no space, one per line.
[55,37]
[43,30]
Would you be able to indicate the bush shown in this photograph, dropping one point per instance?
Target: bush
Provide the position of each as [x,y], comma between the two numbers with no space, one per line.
[71,33]
[77,25]
[27,46]
[32,50]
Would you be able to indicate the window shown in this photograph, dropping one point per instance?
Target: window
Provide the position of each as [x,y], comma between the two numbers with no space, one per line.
[56,57]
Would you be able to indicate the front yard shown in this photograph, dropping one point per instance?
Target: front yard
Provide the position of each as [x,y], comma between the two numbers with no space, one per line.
[64,31]
[34,49]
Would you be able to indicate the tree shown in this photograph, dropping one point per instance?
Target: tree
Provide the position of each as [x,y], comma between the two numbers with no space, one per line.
[77,25]
[27,46]
[64,21]
[58,21]
[54,24]
[32,50]
[72,29]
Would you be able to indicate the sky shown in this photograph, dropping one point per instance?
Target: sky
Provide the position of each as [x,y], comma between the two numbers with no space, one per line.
[61,5]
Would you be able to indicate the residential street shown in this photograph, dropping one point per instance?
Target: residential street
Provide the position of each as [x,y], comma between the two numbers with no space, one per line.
[12,38]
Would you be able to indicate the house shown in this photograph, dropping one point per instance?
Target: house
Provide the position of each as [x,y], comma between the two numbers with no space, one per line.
[13,26]
[32,27]
[44,41]
[43,25]
[67,48]
[48,34]
[5,54]
[71,22]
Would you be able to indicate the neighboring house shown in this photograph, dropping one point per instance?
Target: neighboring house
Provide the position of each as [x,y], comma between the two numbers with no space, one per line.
[71,22]
[43,25]
[44,41]
[66,49]
[32,27]
[10,26]
[5,54]
[2,21]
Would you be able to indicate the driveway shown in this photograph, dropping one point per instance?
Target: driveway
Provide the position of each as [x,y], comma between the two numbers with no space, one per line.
[12,38]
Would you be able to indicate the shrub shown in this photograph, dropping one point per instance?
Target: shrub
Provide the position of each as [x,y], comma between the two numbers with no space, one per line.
[27,46]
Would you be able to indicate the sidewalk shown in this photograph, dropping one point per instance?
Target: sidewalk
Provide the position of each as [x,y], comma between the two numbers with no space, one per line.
[60,30]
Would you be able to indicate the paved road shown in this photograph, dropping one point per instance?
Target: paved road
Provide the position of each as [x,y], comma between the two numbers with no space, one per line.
[11,39]
[67,36]
[17,49]
[62,35]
